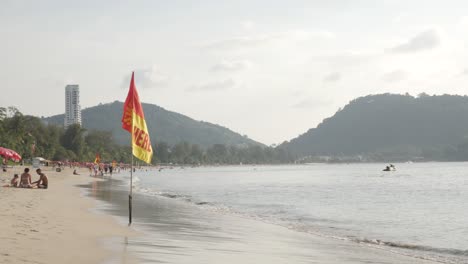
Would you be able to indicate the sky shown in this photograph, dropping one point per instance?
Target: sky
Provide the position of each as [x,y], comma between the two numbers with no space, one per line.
[270,70]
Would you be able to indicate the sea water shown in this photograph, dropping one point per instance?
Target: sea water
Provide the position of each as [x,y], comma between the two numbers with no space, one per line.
[418,210]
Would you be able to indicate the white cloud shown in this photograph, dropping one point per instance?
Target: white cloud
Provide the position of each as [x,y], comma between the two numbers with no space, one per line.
[463,73]
[313,102]
[344,59]
[248,24]
[426,40]
[232,65]
[464,21]
[263,39]
[147,78]
[332,77]
[395,76]
[398,19]
[213,86]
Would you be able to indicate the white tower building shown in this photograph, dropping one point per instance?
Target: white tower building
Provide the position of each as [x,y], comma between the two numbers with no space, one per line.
[72,105]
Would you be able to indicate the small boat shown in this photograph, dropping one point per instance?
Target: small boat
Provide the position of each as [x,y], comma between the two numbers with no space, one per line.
[390,167]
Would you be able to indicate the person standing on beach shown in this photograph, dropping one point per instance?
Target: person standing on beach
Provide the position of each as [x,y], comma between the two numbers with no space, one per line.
[43,181]
[4,165]
[25,181]
[96,167]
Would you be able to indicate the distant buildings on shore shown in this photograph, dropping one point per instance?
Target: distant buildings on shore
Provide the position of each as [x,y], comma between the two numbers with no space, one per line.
[72,105]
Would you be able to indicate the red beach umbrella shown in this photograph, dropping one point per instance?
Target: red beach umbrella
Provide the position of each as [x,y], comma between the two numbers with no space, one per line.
[10,154]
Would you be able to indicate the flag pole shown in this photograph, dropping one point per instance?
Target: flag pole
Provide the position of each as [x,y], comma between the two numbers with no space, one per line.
[134,118]
[130,195]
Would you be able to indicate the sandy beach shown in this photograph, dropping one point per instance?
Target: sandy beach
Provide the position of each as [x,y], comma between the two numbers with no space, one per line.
[57,225]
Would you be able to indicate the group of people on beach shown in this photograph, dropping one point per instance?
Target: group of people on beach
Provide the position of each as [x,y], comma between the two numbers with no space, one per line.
[101,169]
[25,181]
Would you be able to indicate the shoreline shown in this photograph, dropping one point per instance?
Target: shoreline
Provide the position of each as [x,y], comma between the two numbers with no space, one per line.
[175,231]
[58,224]
[81,219]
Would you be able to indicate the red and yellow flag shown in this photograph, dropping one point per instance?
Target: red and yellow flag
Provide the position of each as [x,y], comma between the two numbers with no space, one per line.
[97,160]
[133,120]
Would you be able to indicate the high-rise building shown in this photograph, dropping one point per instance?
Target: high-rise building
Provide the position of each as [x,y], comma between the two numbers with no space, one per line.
[72,105]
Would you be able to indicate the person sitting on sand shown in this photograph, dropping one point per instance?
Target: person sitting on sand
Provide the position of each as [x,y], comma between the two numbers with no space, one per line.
[43,181]
[75,173]
[13,182]
[25,181]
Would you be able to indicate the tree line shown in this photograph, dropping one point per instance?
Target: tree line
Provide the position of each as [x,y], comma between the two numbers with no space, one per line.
[31,137]
[186,153]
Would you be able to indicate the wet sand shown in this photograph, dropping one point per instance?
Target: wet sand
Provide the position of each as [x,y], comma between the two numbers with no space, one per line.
[179,232]
[57,225]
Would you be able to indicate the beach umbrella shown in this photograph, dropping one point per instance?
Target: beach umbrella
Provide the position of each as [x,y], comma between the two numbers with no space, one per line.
[10,154]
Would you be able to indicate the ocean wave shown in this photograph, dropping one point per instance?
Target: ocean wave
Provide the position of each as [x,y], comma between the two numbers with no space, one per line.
[323,228]
[448,251]
[206,205]
[165,194]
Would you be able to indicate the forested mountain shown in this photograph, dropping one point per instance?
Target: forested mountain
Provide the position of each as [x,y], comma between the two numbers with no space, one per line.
[391,127]
[163,125]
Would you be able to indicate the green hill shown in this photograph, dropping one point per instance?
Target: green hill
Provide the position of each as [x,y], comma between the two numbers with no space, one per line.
[163,125]
[391,127]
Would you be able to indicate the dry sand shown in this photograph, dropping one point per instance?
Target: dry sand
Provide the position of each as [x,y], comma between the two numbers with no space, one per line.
[56,225]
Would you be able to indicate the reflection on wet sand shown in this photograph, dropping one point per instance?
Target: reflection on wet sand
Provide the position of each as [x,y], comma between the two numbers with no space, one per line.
[178,232]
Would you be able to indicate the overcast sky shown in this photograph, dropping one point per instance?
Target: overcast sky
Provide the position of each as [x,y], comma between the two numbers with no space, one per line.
[267,69]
